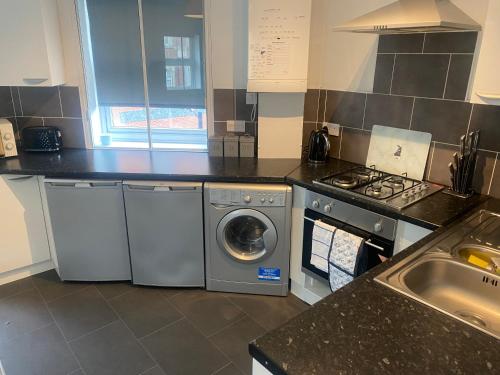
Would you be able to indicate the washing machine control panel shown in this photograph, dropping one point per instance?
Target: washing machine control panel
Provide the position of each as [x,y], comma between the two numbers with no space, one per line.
[250,198]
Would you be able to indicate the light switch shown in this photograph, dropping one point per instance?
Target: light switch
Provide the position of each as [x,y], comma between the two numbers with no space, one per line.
[230,125]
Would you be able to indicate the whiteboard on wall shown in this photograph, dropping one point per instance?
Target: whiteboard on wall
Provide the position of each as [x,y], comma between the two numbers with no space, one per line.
[278,45]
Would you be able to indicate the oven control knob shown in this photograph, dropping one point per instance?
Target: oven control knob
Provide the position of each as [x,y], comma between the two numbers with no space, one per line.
[327,208]
[247,199]
[425,187]
[315,204]
[405,196]
[377,227]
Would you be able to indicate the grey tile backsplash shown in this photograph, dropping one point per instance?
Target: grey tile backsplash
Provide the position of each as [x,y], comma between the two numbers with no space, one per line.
[230,104]
[420,83]
[45,106]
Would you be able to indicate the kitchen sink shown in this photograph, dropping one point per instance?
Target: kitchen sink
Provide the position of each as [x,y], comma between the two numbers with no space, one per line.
[441,276]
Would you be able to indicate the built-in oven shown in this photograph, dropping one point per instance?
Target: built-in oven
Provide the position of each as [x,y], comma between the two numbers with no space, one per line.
[378,231]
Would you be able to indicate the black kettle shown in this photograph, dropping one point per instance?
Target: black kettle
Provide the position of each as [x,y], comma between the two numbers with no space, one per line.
[319,146]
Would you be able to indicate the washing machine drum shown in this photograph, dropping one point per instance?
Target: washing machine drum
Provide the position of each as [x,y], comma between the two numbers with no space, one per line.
[247,235]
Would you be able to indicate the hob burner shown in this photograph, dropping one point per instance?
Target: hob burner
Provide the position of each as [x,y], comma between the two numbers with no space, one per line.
[344,181]
[395,180]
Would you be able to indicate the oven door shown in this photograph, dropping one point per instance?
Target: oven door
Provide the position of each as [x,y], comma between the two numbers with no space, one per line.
[247,235]
[379,248]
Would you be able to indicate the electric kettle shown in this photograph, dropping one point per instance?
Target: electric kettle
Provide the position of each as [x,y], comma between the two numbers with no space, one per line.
[319,146]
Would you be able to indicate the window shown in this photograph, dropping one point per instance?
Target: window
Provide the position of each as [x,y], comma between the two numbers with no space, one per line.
[144,63]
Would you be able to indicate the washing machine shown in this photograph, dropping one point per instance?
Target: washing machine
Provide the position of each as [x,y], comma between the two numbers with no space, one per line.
[247,237]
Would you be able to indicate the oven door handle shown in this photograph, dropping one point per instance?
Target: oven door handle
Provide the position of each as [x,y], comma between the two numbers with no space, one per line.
[369,243]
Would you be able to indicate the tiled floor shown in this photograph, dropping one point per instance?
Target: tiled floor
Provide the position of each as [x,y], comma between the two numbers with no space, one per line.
[50,327]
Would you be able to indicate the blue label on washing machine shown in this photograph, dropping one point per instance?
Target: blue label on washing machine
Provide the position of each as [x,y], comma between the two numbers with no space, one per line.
[269,273]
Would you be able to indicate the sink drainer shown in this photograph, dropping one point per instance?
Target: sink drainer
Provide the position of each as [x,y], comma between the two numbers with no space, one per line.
[472,318]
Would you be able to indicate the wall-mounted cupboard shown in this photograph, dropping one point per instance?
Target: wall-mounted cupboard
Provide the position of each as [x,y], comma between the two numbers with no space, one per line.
[31,43]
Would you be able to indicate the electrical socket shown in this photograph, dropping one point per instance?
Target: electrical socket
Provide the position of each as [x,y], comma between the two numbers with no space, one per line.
[333,129]
[237,126]
[251,98]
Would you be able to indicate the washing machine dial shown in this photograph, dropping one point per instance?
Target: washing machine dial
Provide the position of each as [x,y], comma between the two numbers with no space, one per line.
[247,199]
[262,200]
[271,200]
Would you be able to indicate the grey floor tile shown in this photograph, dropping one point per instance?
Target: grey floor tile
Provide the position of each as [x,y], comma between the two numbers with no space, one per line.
[154,371]
[181,349]
[112,350]
[51,287]
[43,351]
[145,310]
[77,372]
[16,287]
[233,342]
[268,311]
[209,312]
[230,369]
[22,313]
[82,312]
[112,290]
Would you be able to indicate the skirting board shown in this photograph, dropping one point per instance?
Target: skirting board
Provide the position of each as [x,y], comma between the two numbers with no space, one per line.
[21,273]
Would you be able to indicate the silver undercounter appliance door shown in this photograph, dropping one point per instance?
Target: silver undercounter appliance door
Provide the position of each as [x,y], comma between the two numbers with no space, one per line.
[165,228]
[90,235]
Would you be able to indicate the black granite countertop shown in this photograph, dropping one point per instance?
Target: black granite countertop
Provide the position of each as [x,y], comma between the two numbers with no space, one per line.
[431,213]
[156,165]
[366,328]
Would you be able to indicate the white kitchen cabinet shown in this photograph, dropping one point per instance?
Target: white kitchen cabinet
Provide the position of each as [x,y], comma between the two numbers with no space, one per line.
[30,42]
[22,224]
[486,87]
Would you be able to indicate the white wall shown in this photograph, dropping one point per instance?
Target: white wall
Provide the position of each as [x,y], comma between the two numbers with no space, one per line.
[346,61]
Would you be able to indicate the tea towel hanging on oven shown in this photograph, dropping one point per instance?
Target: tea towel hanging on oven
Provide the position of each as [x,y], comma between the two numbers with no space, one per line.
[347,259]
[321,244]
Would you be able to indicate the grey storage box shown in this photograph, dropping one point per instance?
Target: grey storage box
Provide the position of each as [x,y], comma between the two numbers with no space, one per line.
[216,145]
[231,146]
[247,146]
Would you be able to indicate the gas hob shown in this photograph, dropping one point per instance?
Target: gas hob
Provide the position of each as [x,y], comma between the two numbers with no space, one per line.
[395,191]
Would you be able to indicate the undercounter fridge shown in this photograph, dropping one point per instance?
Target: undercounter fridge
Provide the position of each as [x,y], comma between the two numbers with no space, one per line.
[89,229]
[165,230]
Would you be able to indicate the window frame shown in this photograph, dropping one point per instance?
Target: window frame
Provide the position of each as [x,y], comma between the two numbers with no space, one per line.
[90,106]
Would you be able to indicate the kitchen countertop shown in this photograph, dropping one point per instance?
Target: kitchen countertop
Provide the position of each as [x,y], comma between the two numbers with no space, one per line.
[147,165]
[433,212]
[366,328]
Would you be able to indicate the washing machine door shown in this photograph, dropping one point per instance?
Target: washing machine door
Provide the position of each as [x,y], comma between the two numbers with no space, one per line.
[247,235]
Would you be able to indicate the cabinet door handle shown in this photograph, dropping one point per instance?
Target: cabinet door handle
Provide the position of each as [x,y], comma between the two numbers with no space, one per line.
[34,81]
[22,178]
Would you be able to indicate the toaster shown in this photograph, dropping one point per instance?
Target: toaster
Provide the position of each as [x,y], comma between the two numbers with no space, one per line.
[41,138]
[7,140]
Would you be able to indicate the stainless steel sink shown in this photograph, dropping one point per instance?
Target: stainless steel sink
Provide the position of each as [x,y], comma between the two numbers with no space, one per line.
[440,276]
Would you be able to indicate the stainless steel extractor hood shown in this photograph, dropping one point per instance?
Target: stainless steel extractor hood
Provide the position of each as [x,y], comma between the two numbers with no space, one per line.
[412,16]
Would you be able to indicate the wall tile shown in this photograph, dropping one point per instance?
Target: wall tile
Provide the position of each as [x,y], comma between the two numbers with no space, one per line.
[495,184]
[453,42]
[335,144]
[224,104]
[401,43]
[243,110]
[439,171]
[483,171]
[6,105]
[345,108]
[486,118]
[458,77]
[420,75]
[446,120]
[388,110]
[220,128]
[71,129]
[322,105]
[311,102]
[40,101]
[70,101]
[24,122]
[355,145]
[383,73]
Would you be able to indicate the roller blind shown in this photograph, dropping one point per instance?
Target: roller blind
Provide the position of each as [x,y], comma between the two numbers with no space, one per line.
[174,80]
